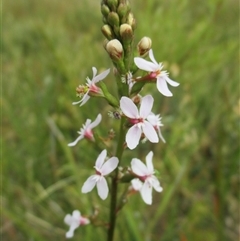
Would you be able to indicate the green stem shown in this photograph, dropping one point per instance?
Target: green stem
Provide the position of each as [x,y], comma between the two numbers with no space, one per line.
[114,184]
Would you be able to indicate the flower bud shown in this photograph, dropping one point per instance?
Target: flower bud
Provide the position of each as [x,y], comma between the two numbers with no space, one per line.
[115,49]
[113,19]
[112,4]
[136,99]
[131,20]
[144,46]
[105,42]
[126,32]
[123,10]
[107,31]
[105,10]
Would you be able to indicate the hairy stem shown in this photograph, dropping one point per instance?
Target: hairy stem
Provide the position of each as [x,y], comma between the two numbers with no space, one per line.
[114,184]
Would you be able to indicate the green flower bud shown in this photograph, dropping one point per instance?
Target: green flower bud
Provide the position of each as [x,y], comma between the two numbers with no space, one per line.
[105,10]
[144,46]
[123,10]
[107,31]
[113,4]
[115,49]
[126,32]
[113,19]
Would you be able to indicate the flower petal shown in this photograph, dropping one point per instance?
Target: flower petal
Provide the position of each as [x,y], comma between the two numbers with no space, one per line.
[155,120]
[102,188]
[70,232]
[149,162]
[100,159]
[150,132]
[156,184]
[146,193]
[76,214]
[68,219]
[146,106]
[139,168]
[89,184]
[76,141]
[151,56]
[77,102]
[96,122]
[136,184]
[171,82]
[160,135]
[128,107]
[162,87]
[84,99]
[145,65]
[101,76]
[109,165]
[133,136]
[87,123]
[94,70]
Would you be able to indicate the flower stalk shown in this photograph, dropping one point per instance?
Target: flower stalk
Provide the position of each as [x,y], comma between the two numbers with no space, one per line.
[114,184]
[138,124]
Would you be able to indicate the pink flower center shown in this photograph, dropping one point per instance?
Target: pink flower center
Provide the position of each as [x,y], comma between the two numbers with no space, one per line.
[93,88]
[154,75]
[98,172]
[88,134]
[84,221]
[143,178]
[136,121]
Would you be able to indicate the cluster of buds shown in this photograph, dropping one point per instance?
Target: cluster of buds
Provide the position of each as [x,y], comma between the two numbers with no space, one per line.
[116,15]
[118,28]
[138,123]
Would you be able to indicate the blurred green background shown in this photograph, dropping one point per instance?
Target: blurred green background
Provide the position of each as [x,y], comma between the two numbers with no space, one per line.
[49,48]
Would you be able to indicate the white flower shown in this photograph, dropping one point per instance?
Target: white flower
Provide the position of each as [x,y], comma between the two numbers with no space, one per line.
[91,87]
[155,70]
[102,169]
[86,130]
[146,174]
[139,120]
[74,221]
[155,120]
